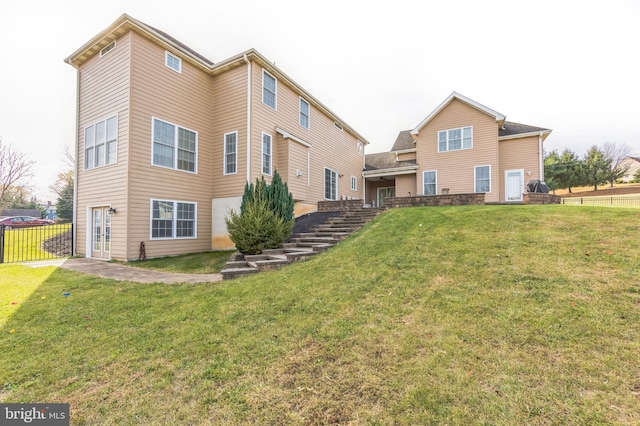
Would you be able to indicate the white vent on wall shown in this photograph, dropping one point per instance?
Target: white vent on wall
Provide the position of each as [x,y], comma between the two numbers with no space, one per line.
[108,48]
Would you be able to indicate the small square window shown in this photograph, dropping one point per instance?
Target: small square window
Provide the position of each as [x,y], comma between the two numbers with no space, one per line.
[173,62]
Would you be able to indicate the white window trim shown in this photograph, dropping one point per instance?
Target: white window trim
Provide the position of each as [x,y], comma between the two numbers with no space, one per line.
[275,93]
[308,126]
[108,48]
[175,220]
[84,142]
[168,54]
[270,154]
[475,178]
[435,183]
[354,183]
[224,162]
[324,189]
[175,147]
[360,148]
[462,148]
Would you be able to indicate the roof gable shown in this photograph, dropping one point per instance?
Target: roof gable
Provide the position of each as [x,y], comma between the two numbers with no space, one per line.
[455,95]
[126,23]
[404,141]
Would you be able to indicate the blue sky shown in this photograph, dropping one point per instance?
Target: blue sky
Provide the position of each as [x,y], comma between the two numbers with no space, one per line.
[572,66]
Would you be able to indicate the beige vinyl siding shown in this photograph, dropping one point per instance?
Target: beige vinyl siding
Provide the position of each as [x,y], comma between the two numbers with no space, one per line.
[184,99]
[456,168]
[298,160]
[406,185]
[229,114]
[521,153]
[103,92]
[330,147]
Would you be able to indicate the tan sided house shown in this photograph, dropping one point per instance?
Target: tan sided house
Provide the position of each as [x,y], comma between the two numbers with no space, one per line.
[167,140]
[461,147]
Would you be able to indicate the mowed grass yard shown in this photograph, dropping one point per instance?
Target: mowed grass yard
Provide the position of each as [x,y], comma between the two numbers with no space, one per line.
[490,315]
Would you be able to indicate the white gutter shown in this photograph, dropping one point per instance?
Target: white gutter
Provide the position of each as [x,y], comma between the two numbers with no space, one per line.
[287,135]
[248,117]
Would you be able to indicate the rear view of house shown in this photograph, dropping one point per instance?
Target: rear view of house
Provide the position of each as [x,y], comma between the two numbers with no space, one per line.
[167,140]
[461,147]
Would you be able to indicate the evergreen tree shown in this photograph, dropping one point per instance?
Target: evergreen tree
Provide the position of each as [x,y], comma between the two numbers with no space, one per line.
[596,167]
[266,216]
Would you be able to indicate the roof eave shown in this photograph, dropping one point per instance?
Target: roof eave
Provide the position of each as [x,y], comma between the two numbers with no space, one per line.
[120,27]
[544,133]
[455,95]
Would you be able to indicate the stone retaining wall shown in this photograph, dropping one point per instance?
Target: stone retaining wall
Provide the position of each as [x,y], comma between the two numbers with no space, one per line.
[435,200]
[540,198]
[340,205]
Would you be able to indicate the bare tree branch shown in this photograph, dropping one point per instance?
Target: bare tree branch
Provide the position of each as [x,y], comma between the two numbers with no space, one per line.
[15,169]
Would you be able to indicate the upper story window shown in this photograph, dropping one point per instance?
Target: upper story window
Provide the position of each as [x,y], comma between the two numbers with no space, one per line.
[174,147]
[173,62]
[338,125]
[268,89]
[304,113]
[230,153]
[360,148]
[108,48]
[455,139]
[266,154]
[100,143]
[430,180]
[482,176]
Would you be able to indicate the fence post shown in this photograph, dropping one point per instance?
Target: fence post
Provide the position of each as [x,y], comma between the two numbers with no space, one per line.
[1,243]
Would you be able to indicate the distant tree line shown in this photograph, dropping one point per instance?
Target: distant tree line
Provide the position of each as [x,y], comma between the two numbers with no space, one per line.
[597,167]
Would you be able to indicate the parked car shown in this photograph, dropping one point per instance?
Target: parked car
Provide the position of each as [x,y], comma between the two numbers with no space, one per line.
[24,222]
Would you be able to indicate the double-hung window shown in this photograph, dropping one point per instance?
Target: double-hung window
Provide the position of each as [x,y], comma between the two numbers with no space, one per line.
[174,147]
[430,180]
[100,143]
[268,89]
[304,113]
[172,219]
[266,154]
[482,176]
[455,139]
[330,184]
[230,153]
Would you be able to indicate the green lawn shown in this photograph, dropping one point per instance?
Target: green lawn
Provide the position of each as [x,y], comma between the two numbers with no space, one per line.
[491,315]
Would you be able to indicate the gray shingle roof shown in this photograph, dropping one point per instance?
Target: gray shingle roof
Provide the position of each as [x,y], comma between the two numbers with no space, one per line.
[404,141]
[510,128]
[384,160]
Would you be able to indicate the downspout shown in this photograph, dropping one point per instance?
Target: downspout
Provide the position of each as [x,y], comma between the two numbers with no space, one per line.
[541,157]
[74,208]
[364,179]
[248,117]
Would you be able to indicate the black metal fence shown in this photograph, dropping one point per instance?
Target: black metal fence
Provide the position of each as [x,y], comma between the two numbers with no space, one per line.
[616,200]
[35,243]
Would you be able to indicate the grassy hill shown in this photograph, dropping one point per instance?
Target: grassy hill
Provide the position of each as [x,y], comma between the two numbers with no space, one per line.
[496,315]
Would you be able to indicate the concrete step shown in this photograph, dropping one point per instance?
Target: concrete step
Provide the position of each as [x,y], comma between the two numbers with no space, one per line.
[230,273]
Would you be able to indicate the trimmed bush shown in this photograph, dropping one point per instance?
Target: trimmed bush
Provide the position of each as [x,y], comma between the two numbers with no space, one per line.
[266,216]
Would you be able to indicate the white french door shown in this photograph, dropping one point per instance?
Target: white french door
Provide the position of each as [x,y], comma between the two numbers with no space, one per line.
[100,233]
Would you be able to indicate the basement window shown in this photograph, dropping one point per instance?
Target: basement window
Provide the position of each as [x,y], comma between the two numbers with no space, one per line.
[108,48]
